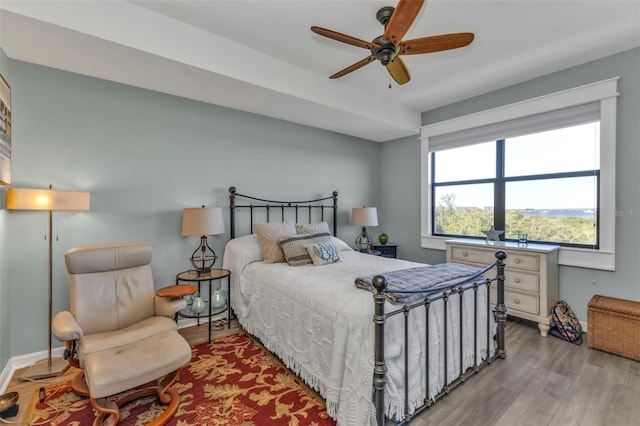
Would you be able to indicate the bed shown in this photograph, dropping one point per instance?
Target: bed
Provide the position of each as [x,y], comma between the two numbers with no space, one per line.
[376,355]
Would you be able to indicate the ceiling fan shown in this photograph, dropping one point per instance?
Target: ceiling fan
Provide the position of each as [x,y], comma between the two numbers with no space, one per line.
[388,47]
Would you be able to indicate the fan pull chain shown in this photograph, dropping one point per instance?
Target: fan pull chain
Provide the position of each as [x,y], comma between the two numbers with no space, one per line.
[389,82]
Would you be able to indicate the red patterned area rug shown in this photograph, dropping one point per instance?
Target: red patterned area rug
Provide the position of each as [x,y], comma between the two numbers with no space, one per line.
[230,381]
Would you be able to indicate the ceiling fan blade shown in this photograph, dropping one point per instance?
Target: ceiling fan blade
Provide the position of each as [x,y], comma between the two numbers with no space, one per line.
[398,70]
[436,43]
[354,67]
[402,18]
[343,38]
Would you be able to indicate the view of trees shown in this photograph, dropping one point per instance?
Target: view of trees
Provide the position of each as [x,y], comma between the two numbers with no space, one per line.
[472,221]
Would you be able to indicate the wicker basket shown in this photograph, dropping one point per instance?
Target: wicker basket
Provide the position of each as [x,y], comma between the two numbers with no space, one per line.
[614,326]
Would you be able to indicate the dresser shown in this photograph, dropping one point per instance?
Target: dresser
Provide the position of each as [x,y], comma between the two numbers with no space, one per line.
[531,275]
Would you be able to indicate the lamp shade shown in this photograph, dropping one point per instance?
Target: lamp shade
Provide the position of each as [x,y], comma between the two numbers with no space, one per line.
[47,199]
[364,216]
[199,221]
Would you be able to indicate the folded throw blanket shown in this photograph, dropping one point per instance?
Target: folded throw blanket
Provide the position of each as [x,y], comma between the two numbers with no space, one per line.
[419,278]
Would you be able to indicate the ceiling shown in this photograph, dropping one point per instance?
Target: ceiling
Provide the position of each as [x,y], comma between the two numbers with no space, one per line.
[260,56]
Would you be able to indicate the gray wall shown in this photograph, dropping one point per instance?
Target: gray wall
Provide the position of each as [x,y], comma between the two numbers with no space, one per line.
[144,156]
[400,177]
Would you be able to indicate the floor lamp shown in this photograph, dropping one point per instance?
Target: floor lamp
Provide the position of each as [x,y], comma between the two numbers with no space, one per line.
[48,200]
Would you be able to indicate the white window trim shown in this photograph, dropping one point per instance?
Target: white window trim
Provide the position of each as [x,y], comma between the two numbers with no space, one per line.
[606,93]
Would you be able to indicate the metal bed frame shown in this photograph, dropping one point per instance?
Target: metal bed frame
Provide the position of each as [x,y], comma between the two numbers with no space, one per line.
[456,288]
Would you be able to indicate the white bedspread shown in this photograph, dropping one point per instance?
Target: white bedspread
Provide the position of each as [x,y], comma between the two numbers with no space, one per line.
[320,325]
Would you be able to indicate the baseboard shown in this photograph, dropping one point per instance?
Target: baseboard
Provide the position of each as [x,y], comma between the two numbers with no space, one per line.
[25,360]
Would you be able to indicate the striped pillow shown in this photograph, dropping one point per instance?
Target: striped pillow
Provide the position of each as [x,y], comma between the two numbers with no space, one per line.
[294,249]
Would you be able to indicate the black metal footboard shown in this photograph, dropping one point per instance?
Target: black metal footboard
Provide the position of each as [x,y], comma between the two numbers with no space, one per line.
[444,293]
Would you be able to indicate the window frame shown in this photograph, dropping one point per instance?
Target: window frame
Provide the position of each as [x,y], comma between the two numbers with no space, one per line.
[605,93]
[499,182]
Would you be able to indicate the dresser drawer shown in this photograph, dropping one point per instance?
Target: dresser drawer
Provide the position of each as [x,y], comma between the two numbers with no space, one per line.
[515,259]
[520,260]
[472,255]
[518,301]
[515,279]
[522,281]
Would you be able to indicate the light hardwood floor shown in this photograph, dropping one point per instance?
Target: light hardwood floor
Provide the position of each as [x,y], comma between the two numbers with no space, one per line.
[543,381]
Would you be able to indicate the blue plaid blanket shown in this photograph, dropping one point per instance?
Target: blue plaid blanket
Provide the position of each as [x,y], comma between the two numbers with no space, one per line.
[419,278]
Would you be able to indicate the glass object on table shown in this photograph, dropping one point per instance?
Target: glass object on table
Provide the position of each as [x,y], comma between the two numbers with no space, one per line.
[198,305]
[218,297]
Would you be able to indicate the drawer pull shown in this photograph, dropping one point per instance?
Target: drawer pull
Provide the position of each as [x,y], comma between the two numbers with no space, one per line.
[516,280]
[516,301]
[516,260]
[465,253]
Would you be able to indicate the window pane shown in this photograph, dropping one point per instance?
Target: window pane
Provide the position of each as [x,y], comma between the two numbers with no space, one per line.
[554,210]
[466,163]
[570,149]
[463,209]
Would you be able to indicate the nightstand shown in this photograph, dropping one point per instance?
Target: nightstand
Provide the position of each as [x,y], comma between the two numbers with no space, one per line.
[387,250]
[214,274]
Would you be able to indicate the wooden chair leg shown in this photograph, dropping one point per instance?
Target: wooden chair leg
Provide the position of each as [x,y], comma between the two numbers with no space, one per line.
[110,410]
[79,385]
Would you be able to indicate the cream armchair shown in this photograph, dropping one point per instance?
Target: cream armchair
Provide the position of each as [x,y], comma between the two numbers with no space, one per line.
[117,330]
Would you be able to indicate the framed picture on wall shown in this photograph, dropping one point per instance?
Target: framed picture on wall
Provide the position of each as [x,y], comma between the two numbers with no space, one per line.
[5,132]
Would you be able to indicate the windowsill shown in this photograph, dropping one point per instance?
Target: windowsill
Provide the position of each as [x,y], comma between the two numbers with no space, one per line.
[568,256]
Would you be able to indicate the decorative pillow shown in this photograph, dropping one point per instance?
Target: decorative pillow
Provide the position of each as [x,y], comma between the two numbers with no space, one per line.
[293,247]
[312,228]
[323,253]
[268,236]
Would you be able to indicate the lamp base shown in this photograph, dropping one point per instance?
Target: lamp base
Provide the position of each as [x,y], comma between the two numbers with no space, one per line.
[42,370]
[203,261]
[364,242]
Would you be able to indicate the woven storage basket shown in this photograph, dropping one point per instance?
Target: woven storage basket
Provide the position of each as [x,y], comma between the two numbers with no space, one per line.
[614,326]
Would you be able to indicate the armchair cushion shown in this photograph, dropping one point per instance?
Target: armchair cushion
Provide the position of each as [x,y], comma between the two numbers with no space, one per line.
[115,370]
[97,342]
[65,327]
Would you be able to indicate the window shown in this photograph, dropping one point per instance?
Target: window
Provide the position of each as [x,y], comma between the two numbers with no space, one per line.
[546,186]
[545,167]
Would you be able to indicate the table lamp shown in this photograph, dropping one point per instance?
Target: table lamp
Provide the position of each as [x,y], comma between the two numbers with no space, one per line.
[201,222]
[365,216]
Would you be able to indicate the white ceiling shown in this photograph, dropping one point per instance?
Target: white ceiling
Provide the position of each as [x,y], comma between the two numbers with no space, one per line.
[260,56]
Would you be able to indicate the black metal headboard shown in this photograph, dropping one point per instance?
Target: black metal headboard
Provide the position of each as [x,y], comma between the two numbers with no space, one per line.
[261,209]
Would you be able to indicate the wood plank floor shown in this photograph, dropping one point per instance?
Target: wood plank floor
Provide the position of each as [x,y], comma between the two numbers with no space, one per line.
[543,381]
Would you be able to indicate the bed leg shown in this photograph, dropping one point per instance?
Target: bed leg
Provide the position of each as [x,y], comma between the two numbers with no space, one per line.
[380,369]
[501,308]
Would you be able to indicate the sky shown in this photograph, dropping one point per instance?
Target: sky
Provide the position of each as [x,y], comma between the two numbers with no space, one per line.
[574,148]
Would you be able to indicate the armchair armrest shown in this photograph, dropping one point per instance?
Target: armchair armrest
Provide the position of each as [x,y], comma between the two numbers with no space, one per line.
[168,307]
[65,327]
